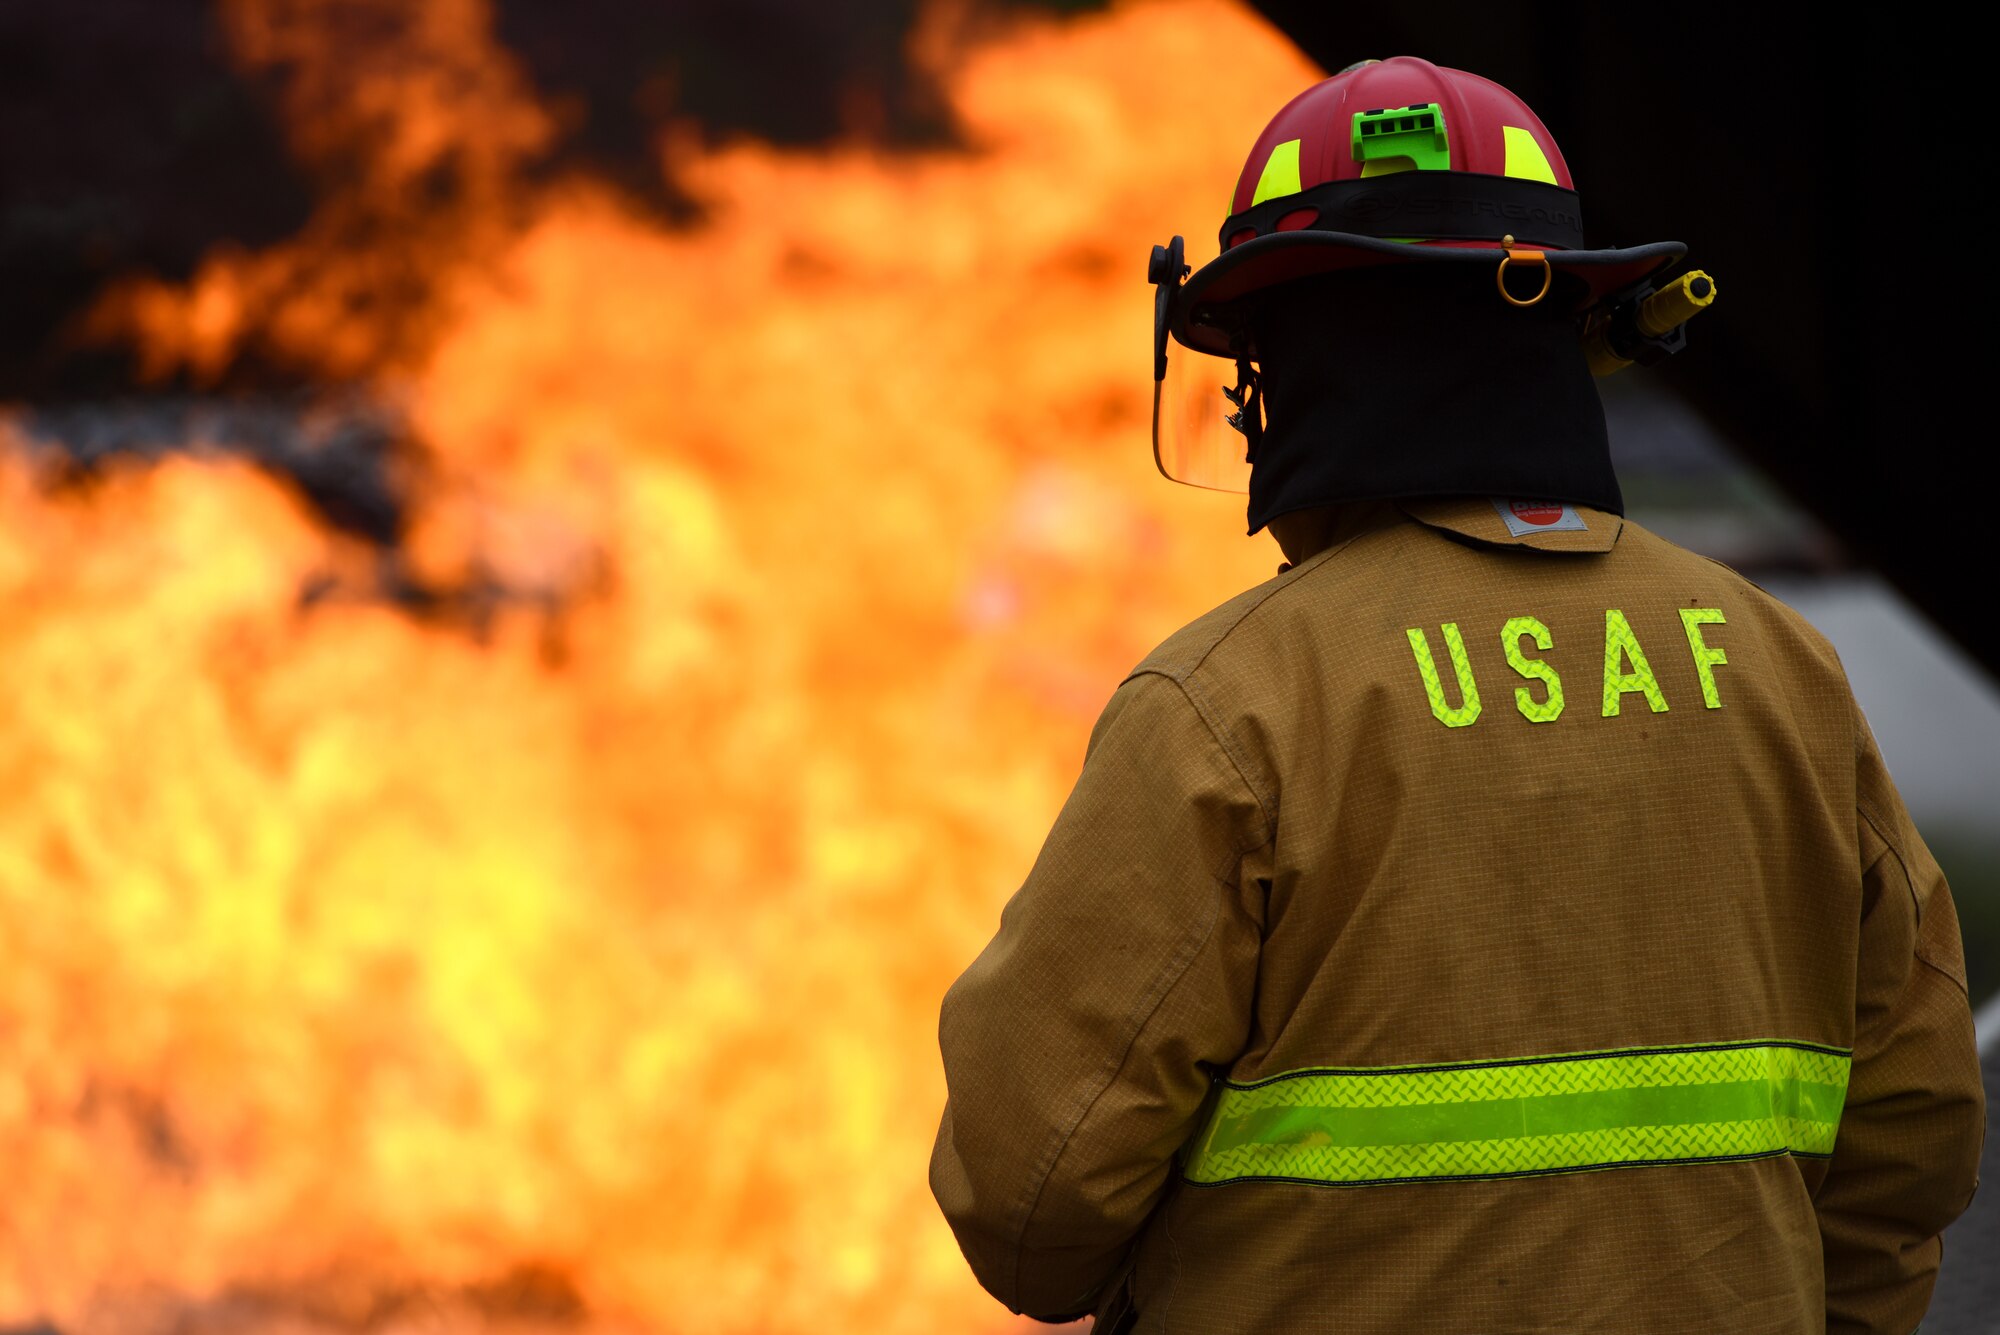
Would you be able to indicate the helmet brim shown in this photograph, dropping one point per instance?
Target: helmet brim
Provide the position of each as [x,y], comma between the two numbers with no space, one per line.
[1267,261]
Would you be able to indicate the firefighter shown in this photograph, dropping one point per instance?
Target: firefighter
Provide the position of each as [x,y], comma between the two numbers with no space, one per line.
[1501,920]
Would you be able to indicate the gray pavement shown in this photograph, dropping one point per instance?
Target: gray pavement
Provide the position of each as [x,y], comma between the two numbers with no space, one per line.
[1967,1301]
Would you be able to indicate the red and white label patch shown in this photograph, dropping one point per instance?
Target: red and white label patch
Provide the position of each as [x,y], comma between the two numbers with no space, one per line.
[1525,517]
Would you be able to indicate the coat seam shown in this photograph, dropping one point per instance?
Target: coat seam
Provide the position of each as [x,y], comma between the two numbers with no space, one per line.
[1875,823]
[1183,674]
[1164,983]
[1917,951]
[1225,741]
[1948,976]
[1161,987]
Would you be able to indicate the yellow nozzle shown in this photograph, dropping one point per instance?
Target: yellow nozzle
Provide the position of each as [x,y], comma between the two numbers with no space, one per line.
[1597,347]
[1676,303]
[1658,315]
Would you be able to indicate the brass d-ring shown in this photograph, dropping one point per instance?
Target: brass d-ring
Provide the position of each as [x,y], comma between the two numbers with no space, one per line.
[1523,257]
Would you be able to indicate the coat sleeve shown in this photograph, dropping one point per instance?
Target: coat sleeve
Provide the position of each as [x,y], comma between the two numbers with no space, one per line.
[1906,1160]
[1078,1048]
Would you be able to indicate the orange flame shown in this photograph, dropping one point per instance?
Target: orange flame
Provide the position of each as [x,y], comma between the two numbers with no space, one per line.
[587,970]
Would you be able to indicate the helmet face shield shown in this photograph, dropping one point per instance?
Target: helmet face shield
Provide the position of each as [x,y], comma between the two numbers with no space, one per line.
[1206,410]
[1193,440]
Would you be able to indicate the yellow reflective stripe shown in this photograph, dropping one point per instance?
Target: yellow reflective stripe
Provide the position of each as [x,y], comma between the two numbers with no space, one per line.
[1281,174]
[1568,1113]
[1387,166]
[1525,158]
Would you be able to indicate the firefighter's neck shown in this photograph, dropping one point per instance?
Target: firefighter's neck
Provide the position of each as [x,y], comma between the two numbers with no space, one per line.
[1304,534]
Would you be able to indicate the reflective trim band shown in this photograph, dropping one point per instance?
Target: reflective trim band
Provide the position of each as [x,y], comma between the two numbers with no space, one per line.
[1281,174]
[1525,158]
[1561,1114]
[1450,205]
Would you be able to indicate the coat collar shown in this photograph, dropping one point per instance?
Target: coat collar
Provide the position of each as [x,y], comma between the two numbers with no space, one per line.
[1482,519]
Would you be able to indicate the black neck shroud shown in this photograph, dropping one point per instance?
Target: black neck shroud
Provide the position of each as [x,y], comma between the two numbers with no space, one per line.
[1418,381]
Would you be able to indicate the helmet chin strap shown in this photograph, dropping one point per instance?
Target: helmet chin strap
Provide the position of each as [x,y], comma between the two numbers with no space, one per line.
[1249,415]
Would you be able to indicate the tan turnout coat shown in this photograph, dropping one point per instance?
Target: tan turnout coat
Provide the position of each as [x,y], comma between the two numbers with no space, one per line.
[1294,848]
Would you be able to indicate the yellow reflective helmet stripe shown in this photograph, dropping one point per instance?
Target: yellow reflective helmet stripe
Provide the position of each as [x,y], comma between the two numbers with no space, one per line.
[1468,690]
[1281,174]
[1550,709]
[1705,658]
[1387,166]
[1525,158]
[1565,1113]
[1620,644]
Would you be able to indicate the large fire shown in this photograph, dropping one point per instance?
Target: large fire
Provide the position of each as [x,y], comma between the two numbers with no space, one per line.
[577,963]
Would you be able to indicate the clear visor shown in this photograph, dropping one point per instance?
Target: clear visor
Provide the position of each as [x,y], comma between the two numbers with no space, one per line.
[1192,439]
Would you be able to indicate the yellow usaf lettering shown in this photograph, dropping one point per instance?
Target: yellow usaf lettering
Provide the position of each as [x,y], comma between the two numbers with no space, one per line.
[1468,691]
[1705,658]
[1619,644]
[1626,669]
[1550,709]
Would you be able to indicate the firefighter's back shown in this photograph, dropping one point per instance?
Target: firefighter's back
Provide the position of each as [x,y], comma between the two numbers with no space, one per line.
[1557,991]
[1502,921]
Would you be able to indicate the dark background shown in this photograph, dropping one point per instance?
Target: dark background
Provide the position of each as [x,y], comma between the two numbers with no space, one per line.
[1794,152]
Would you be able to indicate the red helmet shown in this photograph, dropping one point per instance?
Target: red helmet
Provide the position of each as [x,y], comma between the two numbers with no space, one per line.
[1388,162]
[1396,162]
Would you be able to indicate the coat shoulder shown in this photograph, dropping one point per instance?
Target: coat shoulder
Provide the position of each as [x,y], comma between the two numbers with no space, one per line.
[1803,641]
[1255,619]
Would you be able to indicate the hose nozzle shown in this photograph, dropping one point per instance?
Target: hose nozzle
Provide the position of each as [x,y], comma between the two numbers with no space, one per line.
[1647,327]
[1676,304]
